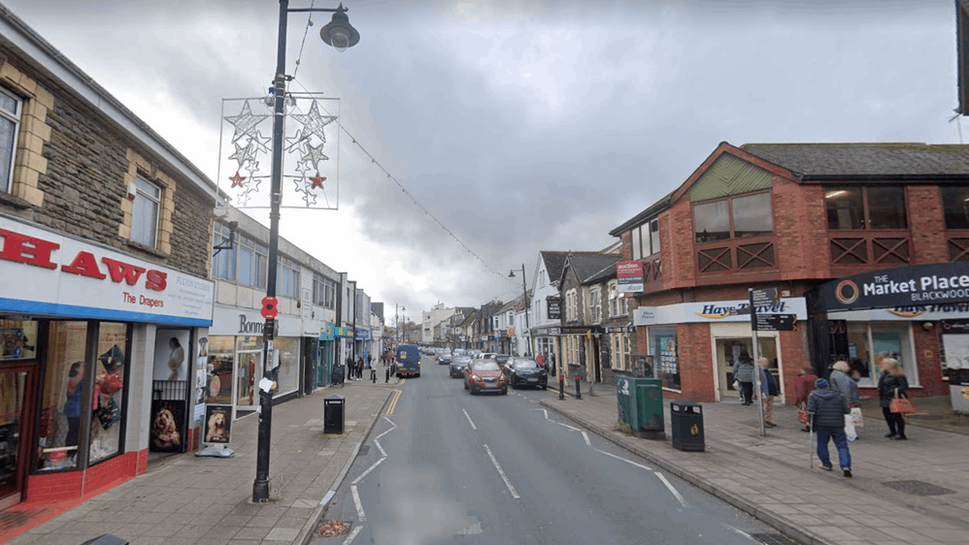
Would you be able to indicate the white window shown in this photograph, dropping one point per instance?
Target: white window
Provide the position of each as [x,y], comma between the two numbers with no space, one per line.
[571,305]
[653,237]
[253,263]
[147,208]
[287,278]
[224,262]
[637,244]
[595,301]
[9,124]
[645,240]
[614,307]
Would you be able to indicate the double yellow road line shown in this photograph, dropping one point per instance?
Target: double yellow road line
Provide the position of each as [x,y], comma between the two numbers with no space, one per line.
[396,398]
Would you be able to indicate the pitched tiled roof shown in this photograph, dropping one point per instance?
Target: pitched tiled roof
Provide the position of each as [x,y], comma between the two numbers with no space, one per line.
[868,160]
[554,261]
[608,272]
[585,265]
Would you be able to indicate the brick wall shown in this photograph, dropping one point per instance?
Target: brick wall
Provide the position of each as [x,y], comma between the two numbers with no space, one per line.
[696,367]
[927,222]
[67,485]
[927,344]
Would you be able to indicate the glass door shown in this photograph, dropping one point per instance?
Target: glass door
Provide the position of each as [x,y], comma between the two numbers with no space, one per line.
[13,454]
[730,350]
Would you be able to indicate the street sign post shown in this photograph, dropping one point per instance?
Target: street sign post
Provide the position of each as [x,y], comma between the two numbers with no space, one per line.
[760,298]
[776,322]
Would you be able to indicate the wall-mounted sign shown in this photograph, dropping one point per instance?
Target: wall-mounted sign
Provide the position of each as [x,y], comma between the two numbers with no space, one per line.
[714,311]
[50,274]
[553,305]
[935,284]
[630,276]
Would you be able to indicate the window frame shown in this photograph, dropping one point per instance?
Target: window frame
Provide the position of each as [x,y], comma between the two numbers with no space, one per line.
[287,266]
[259,255]
[224,259]
[595,304]
[641,239]
[6,185]
[732,237]
[135,215]
[945,208]
[866,207]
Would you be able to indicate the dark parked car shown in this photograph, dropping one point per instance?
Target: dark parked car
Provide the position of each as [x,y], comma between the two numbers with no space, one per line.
[446,358]
[526,372]
[458,366]
[485,376]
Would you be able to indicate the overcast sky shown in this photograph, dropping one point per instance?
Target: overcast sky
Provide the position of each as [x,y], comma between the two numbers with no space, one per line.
[521,126]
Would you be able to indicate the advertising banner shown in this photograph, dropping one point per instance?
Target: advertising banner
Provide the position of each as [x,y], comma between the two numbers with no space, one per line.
[630,276]
[715,311]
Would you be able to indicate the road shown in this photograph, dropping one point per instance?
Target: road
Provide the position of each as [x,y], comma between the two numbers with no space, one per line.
[449,467]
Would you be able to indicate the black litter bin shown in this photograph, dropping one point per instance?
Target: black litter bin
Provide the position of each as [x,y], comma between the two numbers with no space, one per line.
[106,539]
[686,425]
[334,414]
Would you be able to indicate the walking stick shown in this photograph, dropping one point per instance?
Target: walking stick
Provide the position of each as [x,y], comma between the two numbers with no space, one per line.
[811,441]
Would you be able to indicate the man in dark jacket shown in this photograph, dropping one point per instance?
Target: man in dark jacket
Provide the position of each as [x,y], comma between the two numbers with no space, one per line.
[827,409]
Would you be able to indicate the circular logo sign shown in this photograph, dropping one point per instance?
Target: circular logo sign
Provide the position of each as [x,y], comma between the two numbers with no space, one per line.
[846,292]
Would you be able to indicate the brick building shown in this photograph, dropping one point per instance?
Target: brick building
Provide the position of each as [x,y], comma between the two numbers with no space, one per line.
[105,236]
[794,217]
[582,320]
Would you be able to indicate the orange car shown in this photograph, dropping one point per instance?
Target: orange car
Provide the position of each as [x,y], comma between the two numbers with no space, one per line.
[485,376]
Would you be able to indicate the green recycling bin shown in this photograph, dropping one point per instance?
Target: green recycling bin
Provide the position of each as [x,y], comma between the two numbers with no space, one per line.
[640,403]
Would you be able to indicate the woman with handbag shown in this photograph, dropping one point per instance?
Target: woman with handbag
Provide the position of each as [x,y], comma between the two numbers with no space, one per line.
[892,385]
[743,372]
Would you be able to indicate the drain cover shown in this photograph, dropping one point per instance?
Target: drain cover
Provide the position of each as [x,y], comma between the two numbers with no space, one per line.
[364,450]
[773,539]
[918,488]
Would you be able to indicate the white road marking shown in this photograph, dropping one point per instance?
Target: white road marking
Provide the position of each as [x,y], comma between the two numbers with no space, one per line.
[568,426]
[586,437]
[624,460]
[544,411]
[367,472]
[356,501]
[473,529]
[741,532]
[514,493]
[387,418]
[673,490]
[380,448]
[329,496]
[475,428]
[353,534]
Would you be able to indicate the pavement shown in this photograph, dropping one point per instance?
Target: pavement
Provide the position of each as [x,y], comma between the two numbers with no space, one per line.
[914,491]
[187,500]
[902,492]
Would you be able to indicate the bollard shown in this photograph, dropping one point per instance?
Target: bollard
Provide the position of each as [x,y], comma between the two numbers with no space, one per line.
[578,390]
[561,386]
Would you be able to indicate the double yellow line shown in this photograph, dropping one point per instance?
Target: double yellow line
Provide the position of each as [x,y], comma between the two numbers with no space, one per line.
[393,402]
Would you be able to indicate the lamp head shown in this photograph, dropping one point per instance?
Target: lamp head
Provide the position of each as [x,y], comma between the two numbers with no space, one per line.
[511,273]
[338,32]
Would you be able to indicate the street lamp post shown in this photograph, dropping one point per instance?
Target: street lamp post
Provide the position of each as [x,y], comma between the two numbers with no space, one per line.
[528,327]
[339,34]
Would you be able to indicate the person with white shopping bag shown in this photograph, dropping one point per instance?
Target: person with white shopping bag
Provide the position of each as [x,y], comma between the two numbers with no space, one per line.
[827,409]
[841,381]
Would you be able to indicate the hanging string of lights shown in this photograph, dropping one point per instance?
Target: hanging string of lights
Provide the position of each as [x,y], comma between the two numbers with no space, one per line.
[404,190]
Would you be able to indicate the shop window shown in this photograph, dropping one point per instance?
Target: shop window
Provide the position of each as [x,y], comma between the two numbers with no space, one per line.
[224,262]
[287,378]
[9,125]
[666,365]
[874,207]
[107,423]
[867,342]
[147,208]
[66,385]
[955,202]
[221,361]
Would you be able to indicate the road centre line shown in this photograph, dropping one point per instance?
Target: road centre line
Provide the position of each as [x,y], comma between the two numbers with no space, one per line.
[361,516]
[673,490]
[475,428]
[586,437]
[624,460]
[353,534]
[514,493]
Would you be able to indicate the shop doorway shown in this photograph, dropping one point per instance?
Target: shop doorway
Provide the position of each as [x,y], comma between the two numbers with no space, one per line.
[245,388]
[730,350]
[14,433]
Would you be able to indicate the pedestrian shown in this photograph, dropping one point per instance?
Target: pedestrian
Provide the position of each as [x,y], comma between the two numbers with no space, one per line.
[769,389]
[804,385]
[350,367]
[554,370]
[842,381]
[743,372]
[891,384]
[828,409]
[359,368]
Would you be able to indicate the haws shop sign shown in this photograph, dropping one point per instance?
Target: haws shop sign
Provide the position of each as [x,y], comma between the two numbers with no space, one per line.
[942,283]
[49,274]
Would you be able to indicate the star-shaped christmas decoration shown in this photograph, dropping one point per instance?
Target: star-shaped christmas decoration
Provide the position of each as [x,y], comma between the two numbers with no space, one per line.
[308,196]
[294,141]
[317,181]
[245,122]
[237,180]
[261,142]
[313,122]
[242,155]
[312,155]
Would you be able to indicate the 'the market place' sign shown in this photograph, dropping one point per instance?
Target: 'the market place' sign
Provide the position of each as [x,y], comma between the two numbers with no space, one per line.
[934,284]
